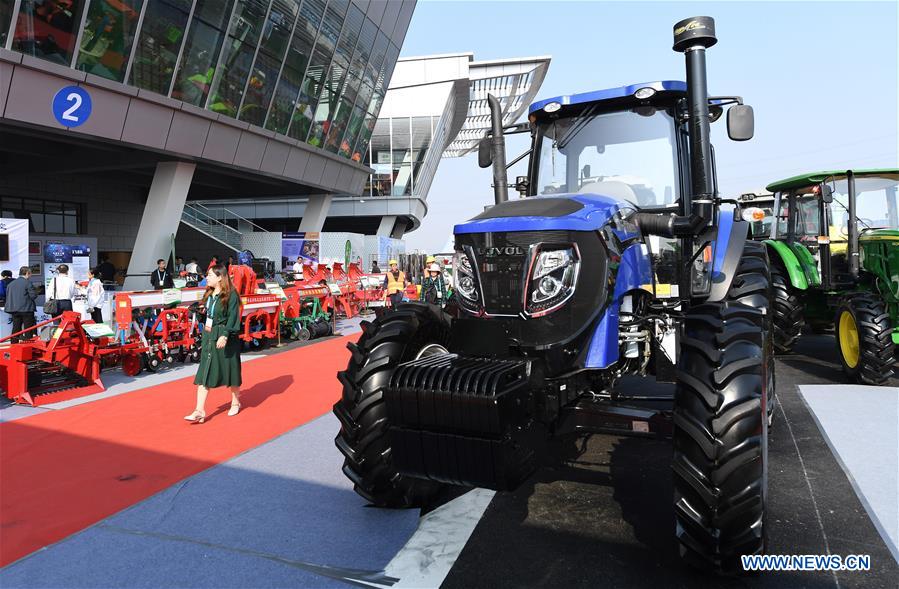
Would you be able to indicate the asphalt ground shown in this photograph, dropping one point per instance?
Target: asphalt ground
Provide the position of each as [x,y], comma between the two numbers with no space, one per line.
[605,518]
[283,515]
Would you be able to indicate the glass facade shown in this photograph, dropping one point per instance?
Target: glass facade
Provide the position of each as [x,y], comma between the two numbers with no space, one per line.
[400,157]
[314,70]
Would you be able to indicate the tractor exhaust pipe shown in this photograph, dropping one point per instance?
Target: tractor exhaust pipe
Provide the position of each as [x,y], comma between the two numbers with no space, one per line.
[498,150]
[853,226]
[692,36]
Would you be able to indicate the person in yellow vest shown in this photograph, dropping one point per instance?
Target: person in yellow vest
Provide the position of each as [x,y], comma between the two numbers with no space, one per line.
[394,284]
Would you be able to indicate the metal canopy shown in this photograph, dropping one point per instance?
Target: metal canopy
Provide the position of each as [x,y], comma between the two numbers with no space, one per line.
[514,82]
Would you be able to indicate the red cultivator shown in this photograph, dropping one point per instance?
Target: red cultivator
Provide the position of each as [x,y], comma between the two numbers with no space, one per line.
[67,366]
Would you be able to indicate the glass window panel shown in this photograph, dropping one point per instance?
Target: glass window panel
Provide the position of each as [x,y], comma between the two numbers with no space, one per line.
[349,35]
[236,62]
[247,21]
[53,224]
[198,63]
[70,225]
[312,87]
[351,88]
[321,122]
[260,89]
[352,134]
[337,128]
[365,135]
[107,38]
[363,49]
[330,29]
[376,61]
[214,12]
[387,71]
[37,222]
[157,47]
[284,101]
[48,30]
[374,105]
[364,97]
[5,20]
[276,34]
[312,12]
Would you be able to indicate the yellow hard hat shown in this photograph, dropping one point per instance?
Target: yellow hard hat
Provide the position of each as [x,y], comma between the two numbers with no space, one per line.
[392,262]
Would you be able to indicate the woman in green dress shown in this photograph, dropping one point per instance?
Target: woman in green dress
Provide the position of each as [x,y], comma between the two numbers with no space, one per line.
[220,354]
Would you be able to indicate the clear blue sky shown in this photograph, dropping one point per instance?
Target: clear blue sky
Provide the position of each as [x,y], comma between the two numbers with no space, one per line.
[821,76]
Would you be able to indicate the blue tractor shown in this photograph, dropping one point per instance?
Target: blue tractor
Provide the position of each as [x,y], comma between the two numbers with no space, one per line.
[619,260]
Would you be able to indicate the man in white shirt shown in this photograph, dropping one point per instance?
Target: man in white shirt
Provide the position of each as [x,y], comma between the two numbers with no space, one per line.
[192,267]
[61,289]
[298,268]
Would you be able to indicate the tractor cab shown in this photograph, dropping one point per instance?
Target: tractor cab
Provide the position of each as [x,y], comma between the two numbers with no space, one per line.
[622,142]
[814,212]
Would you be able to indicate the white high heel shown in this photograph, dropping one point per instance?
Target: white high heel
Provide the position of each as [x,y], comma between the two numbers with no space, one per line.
[235,409]
[196,417]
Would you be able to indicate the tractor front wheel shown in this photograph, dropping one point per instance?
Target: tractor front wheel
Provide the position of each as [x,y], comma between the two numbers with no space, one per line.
[864,338]
[410,331]
[723,405]
[787,311]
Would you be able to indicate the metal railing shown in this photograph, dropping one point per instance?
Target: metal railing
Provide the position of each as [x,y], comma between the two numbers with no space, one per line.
[201,219]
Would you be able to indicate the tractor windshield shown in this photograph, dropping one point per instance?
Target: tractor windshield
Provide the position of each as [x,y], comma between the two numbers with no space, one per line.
[631,155]
[875,202]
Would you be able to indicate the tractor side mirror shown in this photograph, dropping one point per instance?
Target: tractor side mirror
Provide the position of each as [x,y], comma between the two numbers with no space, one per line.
[826,193]
[740,122]
[586,170]
[485,153]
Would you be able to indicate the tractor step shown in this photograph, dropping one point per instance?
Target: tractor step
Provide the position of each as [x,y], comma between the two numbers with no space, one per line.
[603,416]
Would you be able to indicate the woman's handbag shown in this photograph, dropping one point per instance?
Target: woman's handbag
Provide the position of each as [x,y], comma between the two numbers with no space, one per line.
[51,307]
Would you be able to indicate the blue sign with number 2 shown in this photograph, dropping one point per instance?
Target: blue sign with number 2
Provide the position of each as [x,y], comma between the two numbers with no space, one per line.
[72,106]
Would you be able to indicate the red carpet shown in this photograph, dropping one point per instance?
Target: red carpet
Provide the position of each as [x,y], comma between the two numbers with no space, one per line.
[61,471]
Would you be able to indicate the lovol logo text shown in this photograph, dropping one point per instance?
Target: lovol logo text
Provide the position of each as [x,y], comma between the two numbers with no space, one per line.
[511,250]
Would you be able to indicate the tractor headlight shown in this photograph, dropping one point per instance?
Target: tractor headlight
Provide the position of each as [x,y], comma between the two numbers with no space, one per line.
[701,272]
[552,279]
[464,279]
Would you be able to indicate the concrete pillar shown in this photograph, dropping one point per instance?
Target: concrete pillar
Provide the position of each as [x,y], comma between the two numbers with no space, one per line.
[386,227]
[316,212]
[159,223]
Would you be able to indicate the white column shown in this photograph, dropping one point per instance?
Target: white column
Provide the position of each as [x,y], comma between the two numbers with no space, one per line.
[386,226]
[316,212]
[159,223]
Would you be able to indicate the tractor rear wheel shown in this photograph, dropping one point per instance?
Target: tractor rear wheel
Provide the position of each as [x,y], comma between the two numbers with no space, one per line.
[787,311]
[864,338]
[721,417]
[410,331]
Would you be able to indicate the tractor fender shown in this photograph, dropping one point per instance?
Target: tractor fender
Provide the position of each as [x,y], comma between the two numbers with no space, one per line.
[633,271]
[790,262]
[727,250]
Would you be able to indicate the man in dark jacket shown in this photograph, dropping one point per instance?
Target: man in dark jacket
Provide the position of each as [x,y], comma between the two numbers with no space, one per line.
[161,278]
[20,297]
[5,279]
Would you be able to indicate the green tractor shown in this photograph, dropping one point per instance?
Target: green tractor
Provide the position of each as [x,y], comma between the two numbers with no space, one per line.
[834,249]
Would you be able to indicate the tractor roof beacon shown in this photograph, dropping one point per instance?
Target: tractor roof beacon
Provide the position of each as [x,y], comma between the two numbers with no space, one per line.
[835,253]
[621,260]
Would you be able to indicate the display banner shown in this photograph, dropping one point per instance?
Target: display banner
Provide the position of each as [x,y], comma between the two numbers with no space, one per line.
[298,245]
[76,256]
[13,255]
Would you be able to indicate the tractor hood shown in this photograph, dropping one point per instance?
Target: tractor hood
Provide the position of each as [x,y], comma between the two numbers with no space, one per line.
[571,212]
[880,235]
